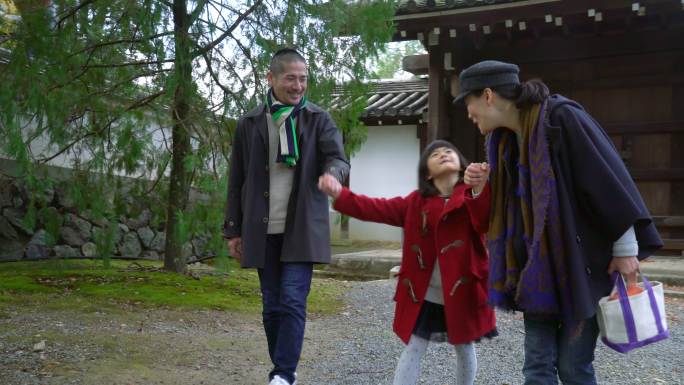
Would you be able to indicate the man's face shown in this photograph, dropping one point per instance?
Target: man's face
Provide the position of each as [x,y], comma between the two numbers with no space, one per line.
[289,86]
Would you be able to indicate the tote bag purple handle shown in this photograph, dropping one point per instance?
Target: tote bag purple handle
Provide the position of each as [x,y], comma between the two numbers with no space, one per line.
[629,316]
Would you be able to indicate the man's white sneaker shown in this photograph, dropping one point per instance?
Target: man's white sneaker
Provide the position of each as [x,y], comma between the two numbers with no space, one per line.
[277,380]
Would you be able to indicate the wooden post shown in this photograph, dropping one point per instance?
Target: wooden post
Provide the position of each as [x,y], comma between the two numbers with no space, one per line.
[438,96]
[677,161]
[463,132]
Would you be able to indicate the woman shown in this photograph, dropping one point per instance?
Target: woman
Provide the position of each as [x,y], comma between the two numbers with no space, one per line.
[565,214]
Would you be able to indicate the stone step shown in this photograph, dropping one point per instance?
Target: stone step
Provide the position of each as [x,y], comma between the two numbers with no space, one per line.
[372,264]
[377,264]
[668,279]
[669,254]
[674,293]
[344,275]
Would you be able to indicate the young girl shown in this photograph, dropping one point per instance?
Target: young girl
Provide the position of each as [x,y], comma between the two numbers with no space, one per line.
[441,292]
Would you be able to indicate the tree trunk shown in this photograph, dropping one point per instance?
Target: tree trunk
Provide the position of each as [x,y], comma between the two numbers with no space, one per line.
[179,187]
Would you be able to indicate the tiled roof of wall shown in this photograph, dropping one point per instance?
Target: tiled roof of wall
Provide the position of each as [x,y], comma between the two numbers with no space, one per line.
[395,100]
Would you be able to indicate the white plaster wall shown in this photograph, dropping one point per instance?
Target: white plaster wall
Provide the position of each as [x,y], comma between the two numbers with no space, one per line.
[158,139]
[386,166]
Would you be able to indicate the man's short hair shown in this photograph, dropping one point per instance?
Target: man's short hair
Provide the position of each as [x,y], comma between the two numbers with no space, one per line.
[284,56]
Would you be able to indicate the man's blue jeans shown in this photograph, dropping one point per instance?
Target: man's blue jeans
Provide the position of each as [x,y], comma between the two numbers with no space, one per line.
[553,350]
[284,287]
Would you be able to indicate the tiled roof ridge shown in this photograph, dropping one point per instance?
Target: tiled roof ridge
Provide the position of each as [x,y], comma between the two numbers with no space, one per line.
[395,99]
[420,6]
[394,85]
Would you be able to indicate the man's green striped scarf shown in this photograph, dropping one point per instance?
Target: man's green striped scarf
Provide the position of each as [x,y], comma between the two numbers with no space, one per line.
[285,119]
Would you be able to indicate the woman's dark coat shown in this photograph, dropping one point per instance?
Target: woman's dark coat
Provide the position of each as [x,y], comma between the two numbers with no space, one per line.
[598,198]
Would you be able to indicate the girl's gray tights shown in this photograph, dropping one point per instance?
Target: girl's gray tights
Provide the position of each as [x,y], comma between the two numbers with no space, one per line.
[408,367]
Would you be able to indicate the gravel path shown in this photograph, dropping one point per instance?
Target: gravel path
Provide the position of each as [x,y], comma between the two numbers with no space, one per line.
[135,346]
[131,347]
[358,347]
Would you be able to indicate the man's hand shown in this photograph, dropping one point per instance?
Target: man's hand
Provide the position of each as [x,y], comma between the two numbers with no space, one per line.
[627,266]
[329,185]
[476,176]
[235,247]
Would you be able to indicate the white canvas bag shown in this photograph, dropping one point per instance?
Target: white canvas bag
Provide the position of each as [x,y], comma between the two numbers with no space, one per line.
[630,322]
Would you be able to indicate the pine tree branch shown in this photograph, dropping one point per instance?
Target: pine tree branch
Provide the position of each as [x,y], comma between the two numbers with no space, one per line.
[166,140]
[135,63]
[74,142]
[197,11]
[137,104]
[222,139]
[221,4]
[219,9]
[72,12]
[248,54]
[167,3]
[233,71]
[230,30]
[128,81]
[159,177]
[84,69]
[121,41]
[145,101]
[218,82]
[207,22]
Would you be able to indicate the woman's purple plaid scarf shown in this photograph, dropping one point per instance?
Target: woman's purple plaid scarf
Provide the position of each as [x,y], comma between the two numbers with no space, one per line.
[540,285]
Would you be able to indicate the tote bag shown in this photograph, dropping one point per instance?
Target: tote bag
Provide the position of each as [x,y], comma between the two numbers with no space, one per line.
[630,322]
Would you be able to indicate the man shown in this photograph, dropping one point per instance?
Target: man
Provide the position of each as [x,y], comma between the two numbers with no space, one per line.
[276,218]
[565,215]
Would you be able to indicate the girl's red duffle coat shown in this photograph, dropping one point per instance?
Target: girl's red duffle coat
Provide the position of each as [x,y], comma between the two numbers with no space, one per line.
[452,232]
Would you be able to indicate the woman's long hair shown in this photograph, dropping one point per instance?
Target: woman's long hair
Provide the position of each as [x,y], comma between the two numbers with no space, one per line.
[526,94]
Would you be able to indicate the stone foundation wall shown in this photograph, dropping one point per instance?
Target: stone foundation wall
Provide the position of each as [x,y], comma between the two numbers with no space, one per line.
[61,231]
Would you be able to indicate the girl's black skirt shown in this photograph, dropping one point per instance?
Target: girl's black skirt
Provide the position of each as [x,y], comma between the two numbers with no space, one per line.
[431,324]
